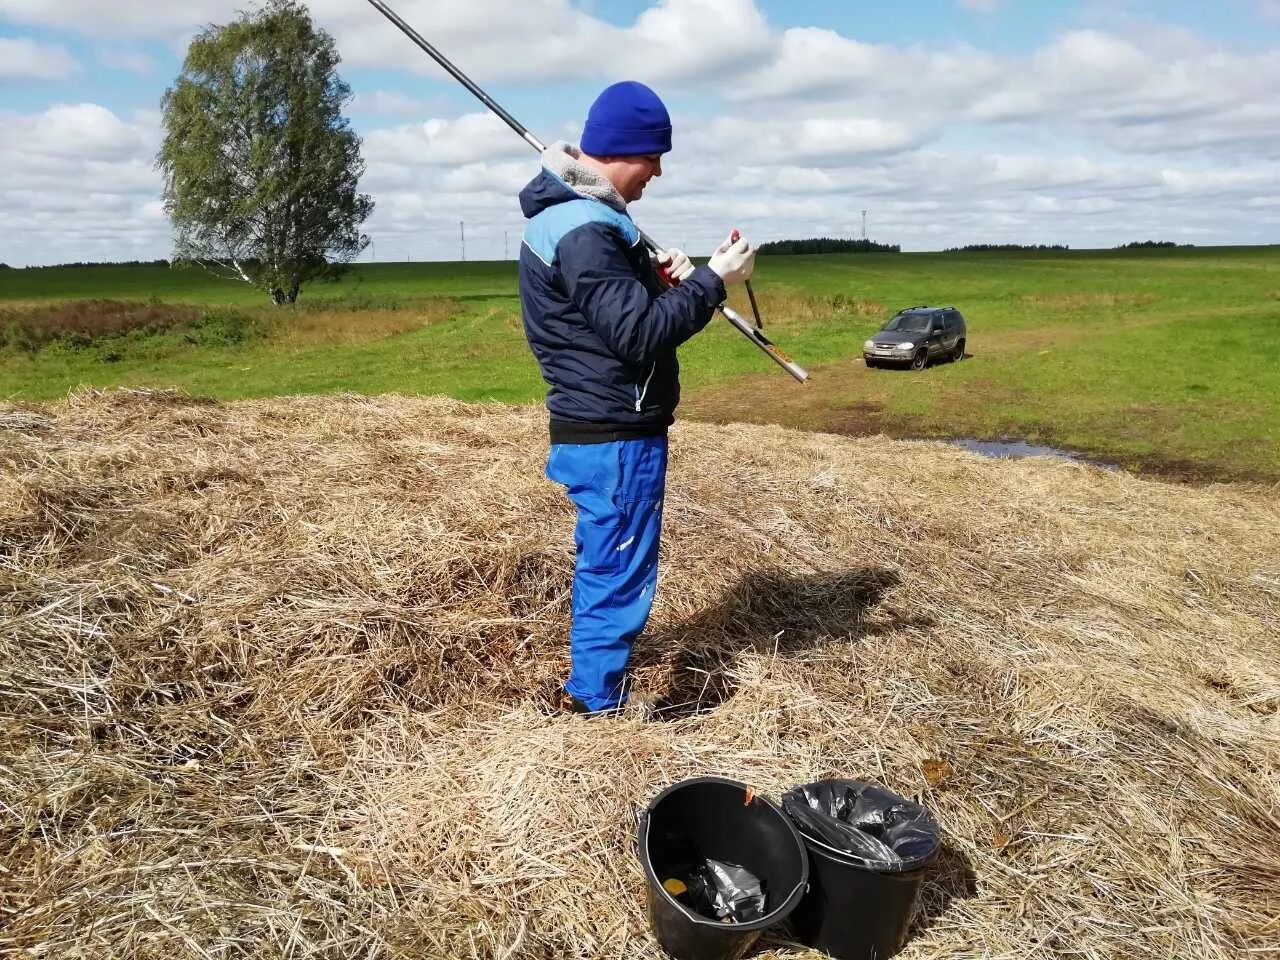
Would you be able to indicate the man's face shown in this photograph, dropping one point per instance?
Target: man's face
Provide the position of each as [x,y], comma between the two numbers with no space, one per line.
[629,175]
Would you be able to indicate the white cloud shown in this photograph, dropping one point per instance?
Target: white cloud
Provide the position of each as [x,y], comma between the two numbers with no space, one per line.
[79,185]
[1163,93]
[810,60]
[818,71]
[393,103]
[84,131]
[490,39]
[130,61]
[25,59]
[470,138]
[671,38]
[118,18]
[547,40]
[980,6]
[836,139]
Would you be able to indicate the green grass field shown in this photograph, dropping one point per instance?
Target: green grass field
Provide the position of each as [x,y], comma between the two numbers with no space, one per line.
[1164,359]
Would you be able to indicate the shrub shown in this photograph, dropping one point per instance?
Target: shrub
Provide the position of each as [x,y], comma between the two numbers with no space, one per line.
[90,323]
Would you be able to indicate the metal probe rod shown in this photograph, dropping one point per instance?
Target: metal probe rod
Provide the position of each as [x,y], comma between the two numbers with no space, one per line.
[458,75]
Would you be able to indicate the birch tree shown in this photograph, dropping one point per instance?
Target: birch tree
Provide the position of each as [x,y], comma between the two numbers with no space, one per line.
[261,169]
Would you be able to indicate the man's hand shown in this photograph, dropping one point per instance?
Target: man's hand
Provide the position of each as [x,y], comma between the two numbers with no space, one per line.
[733,260]
[674,265]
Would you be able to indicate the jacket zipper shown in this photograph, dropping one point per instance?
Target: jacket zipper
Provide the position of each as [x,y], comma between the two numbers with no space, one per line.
[639,392]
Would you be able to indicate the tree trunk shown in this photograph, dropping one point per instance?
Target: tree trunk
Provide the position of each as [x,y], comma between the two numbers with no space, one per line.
[281,296]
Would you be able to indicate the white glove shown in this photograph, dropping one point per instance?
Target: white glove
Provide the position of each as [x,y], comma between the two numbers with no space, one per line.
[733,260]
[675,264]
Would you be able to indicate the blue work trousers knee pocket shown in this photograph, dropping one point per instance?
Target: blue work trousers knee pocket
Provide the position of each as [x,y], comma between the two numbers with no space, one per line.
[618,489]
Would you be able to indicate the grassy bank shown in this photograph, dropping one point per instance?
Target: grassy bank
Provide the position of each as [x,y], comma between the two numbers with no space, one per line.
[1163,358]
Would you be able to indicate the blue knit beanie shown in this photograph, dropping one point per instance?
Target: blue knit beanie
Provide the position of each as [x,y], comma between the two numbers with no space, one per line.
[627,120]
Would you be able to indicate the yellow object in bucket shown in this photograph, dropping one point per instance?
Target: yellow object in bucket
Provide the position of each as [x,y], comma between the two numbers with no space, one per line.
[674,887]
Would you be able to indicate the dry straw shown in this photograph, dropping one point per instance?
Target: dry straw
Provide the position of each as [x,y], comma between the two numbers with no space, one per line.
[272,679]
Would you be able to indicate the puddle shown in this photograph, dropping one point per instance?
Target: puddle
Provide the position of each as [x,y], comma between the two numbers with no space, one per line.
[1020,448]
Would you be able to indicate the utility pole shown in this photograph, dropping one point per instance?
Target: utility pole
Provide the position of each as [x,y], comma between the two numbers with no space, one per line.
[462,238]
[373,251]
[864,224]
[506,250]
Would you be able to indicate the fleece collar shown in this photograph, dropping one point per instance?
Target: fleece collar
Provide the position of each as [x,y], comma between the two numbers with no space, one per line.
[564,160]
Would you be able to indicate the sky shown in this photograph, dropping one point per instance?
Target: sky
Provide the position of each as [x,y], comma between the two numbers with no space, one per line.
[949,122]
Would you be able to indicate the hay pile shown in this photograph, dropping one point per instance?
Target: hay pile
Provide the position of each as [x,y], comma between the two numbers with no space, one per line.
[271,682]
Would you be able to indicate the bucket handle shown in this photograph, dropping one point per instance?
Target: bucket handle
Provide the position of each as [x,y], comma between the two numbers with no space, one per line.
[642,821]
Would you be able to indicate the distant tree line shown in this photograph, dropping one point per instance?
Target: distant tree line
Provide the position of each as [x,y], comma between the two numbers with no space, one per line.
[826,245]
[90,263]
[988,247]
[1151,245]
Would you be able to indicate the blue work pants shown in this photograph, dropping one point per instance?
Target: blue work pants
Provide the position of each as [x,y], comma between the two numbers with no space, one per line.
[618,489]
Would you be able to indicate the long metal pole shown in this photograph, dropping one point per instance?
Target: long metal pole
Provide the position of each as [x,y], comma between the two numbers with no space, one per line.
[746,329]
[457,74]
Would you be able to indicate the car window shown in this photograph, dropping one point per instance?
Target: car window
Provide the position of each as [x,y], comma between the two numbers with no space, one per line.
[908,323]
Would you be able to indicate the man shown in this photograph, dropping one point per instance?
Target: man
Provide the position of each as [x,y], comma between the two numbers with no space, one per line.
[604,332]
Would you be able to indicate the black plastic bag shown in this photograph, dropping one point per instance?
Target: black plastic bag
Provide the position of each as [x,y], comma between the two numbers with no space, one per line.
[878,828]
[724,891]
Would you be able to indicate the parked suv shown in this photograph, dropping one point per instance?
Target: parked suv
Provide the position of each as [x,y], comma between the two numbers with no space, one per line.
[915,336]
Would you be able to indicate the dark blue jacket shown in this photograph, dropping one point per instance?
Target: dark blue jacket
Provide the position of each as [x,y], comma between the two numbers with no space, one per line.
[603,330]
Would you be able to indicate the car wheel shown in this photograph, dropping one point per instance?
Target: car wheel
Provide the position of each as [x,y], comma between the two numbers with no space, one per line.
[920,359]
[958,352]
[870,363]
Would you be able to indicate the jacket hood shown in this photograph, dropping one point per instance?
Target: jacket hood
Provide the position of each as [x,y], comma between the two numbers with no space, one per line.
[564,177]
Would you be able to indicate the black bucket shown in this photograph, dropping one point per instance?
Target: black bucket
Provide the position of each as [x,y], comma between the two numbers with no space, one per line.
[859,908]
[717,819]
